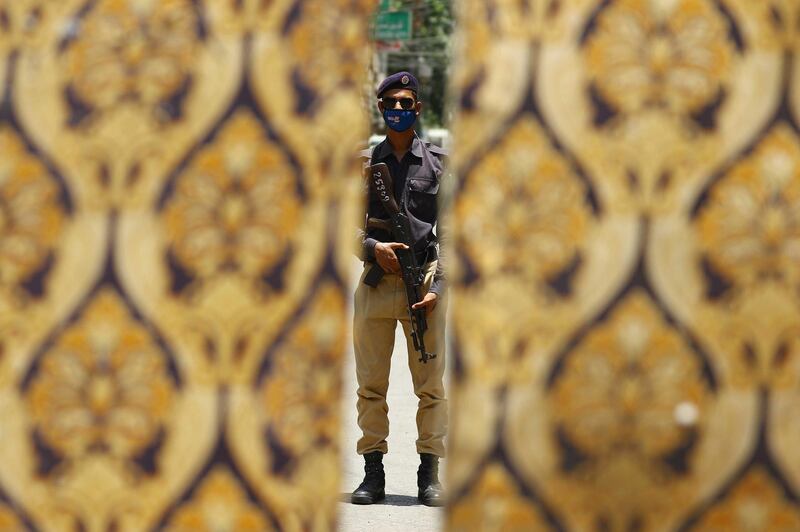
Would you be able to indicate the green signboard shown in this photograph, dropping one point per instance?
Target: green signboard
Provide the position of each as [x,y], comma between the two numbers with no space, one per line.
[393,26]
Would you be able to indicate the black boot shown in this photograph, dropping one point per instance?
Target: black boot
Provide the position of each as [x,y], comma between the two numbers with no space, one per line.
[430,490]
[372,489]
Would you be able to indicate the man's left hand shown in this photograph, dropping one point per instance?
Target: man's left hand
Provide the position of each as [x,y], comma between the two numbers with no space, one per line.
[428,303]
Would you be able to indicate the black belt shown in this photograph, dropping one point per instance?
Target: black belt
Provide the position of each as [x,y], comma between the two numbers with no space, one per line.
[425,256]
[375,274]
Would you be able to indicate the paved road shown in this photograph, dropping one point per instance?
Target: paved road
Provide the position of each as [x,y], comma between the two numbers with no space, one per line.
[400,511]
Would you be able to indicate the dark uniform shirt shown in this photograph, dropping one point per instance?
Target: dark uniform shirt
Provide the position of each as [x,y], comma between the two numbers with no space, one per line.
[417,178]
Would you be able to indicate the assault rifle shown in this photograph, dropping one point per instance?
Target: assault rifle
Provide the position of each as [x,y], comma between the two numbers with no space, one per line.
[398,226]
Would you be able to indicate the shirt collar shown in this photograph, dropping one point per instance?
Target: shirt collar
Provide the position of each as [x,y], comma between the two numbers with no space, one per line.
[416,147]
[384,149]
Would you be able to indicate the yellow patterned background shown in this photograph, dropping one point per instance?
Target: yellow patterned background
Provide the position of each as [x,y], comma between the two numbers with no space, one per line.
[627,303]
[174,235]
[177,186]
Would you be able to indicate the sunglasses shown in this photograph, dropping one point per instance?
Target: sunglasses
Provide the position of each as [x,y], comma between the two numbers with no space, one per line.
[405,103]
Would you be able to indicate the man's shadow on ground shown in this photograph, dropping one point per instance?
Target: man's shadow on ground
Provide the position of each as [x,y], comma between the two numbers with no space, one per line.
[391,500]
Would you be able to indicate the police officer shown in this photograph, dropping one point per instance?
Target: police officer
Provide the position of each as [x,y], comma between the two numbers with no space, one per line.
[417,168]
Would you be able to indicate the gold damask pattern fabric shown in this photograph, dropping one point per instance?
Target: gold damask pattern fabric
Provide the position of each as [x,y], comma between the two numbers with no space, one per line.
[626,293]
[177,187]
[174,235]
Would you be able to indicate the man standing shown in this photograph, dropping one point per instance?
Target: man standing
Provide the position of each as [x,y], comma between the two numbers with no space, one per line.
[416,168]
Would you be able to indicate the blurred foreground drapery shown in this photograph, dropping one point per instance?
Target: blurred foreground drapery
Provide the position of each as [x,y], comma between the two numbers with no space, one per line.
[174,236]
[174,228]
[627,300]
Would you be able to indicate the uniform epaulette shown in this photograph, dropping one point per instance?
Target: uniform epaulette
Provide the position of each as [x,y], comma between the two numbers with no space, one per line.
[433,148]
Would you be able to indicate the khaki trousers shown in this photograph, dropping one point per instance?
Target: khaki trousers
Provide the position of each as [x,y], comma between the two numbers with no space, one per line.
[376,313]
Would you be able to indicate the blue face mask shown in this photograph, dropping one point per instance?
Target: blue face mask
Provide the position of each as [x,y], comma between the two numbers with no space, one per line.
[399,119]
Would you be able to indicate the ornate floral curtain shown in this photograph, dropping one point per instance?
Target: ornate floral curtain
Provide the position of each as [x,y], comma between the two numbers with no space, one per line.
[627,299]
[174,205]
[176,191]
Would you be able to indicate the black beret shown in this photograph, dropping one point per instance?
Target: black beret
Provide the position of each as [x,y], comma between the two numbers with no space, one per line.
[400,80]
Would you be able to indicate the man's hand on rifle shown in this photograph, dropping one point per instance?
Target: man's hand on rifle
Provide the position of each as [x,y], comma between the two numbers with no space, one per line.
[428,303]
[386,257]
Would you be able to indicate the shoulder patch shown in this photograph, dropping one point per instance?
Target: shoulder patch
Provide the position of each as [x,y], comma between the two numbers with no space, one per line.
[438,150]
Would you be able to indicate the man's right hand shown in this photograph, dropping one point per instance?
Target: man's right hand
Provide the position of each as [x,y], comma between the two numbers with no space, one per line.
[386,257]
